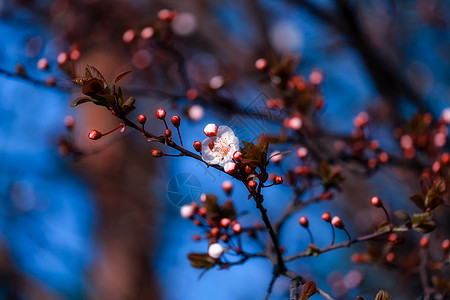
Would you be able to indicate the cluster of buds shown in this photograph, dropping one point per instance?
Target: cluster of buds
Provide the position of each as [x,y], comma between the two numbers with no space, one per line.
[175,120]
[220,227]
[422,134]
[361,146]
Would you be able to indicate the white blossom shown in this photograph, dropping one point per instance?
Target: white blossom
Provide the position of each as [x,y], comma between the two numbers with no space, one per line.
[215,250]
[219,149]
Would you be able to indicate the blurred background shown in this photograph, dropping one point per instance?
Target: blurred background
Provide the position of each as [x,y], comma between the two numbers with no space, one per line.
[104,224]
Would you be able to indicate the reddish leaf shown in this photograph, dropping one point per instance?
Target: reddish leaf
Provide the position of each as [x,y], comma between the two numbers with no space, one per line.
[121,75]
[382,295]
[308,290]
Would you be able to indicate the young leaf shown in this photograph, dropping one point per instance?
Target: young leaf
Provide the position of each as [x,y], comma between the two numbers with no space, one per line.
[121,75]
[201,260]
[80,100]
[382,295]
[91,71]
[228,210]
[211,205]
[435,195]
[403,215]
[308,290]
[418,200]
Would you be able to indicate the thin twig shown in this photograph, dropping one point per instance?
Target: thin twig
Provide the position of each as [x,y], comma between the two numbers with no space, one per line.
[337,246]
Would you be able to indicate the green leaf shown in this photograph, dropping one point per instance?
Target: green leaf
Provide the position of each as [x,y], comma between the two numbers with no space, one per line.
[384,226]
[403,215]
[425,227]
[422,222]
[382,295]
[80,100]
[308,290]
[121,75]
[201,260]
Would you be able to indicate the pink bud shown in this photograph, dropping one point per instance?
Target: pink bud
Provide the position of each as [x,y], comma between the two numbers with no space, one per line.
[129,35]
[187,211]
[225,222]
[302,152]
[227,186]
[230,167]
[203,198]
[303,221]
[215,250]
[62,58]
[337,222]
[376,201]
[237,156]
[295,123]
[237,228]
[261,63]
[211,130]
[42,64]
[147,33]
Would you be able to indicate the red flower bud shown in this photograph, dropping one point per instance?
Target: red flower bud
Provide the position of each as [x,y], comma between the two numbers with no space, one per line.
[390,257]
[157,153]
[261,63]
[252,185]
[167,133]
[69,121]
[358,258]
[215,232]
[337,222]
[326,217]
[376,201]
[198,146]
[42,64]
[225,222]
[303,221]
[196,237]
[248,169]
[142,119]
[227,187]
[237,156]
[424,241]
[176,121]
[237,228]
[445,246]
[202,211]
[95,135]
[278,180]
[191,94]
[224,238]
[160,113]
